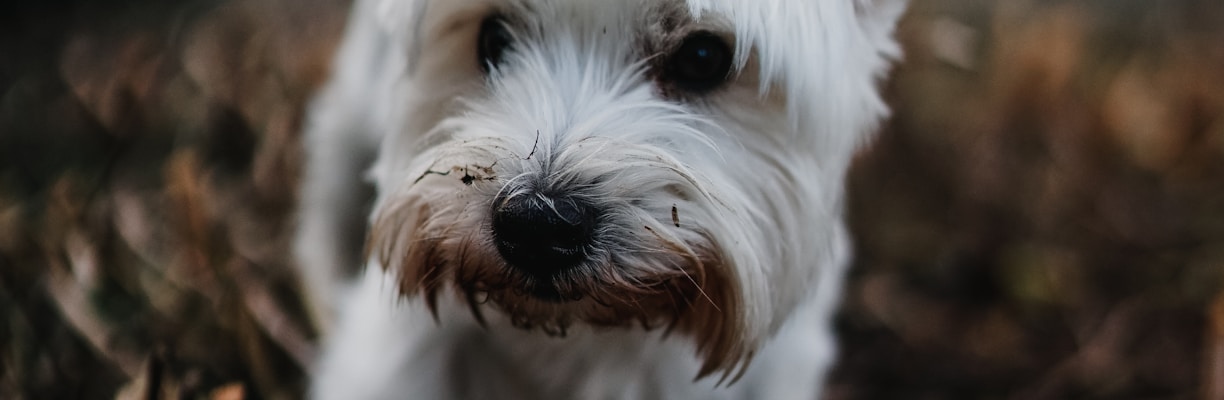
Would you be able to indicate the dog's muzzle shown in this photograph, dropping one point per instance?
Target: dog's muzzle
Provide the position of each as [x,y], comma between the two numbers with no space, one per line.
[542,235]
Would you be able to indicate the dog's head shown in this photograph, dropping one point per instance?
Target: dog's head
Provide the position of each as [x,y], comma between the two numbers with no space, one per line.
[625,163]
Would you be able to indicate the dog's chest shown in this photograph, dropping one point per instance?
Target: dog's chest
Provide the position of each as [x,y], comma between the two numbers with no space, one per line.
[503,363]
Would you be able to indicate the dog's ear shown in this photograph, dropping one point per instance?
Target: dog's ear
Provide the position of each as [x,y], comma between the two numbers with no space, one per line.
[401,21]
[389,25]
[377,35]
[878,19]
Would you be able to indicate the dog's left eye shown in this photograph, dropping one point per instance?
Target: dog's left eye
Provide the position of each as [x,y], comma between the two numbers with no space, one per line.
[493,42]
[701,63]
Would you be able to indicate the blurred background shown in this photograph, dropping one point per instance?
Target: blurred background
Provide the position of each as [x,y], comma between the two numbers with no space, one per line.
[1042,218]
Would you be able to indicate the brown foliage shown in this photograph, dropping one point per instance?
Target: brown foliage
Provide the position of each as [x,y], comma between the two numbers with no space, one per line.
[1043,218]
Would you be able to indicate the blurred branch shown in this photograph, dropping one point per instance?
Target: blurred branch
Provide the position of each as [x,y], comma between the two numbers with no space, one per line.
[1213,352]
[270,316]
[66,293]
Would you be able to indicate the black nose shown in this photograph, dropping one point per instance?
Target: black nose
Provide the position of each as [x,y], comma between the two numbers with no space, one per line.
[542,235]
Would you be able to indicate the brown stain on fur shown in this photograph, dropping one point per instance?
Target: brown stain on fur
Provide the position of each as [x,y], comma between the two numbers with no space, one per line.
[696,298]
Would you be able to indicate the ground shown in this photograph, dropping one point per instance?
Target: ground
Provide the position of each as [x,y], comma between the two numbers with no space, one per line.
[1043,216]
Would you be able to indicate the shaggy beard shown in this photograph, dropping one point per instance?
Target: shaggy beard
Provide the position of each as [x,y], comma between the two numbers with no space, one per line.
[434,236]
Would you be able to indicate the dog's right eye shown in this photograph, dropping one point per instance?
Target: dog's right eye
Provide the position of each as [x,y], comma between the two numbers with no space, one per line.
[702,63]
[493,42]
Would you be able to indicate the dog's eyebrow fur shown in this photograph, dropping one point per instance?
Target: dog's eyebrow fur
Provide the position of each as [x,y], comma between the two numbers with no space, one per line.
[670,22]
[667,26]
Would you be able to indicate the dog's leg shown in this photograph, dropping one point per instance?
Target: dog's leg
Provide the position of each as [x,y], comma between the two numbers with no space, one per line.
[381,348]
[386,347]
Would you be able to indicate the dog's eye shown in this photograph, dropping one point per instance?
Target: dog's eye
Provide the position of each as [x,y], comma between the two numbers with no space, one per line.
[701,63]
[493,42]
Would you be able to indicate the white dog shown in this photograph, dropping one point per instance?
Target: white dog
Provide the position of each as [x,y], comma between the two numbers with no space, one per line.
[588,199]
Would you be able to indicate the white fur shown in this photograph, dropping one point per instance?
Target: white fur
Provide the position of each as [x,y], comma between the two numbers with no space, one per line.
[752,173]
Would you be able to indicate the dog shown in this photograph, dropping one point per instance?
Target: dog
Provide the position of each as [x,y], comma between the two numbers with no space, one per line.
[587,199]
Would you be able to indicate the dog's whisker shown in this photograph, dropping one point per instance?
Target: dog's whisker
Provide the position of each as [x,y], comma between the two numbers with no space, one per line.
[474,308]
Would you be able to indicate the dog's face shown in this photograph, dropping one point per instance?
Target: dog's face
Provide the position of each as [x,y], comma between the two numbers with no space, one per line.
[626,163]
